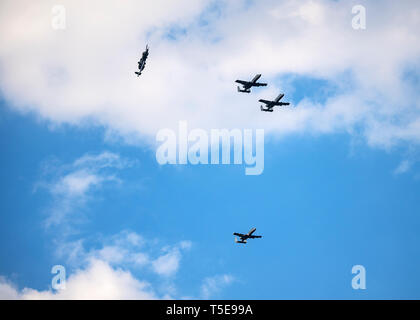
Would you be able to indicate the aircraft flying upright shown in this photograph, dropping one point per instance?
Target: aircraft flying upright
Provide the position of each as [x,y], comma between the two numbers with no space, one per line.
[142,61]
[244,237]
[269,105]
[246,85]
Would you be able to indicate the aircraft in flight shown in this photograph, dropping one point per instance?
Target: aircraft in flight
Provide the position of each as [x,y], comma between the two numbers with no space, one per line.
[142,61]
[245,237]
[246,85]
[269,105]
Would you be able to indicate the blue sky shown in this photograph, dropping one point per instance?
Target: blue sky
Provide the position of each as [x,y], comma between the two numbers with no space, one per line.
[81,186]
[322,205]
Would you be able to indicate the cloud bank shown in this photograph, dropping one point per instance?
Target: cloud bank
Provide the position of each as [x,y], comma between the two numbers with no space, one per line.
[115,269]
[84,74]
[98,281]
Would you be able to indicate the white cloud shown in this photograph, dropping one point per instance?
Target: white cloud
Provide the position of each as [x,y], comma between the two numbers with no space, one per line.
[213,285]
[85,73]
[105,159]
[7,290]
[72,185]
[76,183]
[127,249]
[123,248]
[111,271]
[168,263]
[98,281]
[403,167]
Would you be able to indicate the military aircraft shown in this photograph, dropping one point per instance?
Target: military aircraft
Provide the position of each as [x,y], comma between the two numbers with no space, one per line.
[269,105]
[246,85]
[142,61]
[244,237]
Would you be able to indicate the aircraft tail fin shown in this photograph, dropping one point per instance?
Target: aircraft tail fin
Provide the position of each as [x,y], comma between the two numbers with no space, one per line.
[239,241]
[266,110]
[243,90]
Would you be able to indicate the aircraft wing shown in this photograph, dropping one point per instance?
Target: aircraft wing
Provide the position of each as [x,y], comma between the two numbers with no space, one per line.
[281,95]
[265,101]
[259,84]
[256,78]
[242,82]
[251,231]
[142,64]
[239,234]
[281,103]
[255,237]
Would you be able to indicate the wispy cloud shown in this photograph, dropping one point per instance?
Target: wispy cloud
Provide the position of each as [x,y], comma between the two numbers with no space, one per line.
[103,160]
[71,186]
[127,249]
[97,281]
[168,263]
[403,167]
[103,267]
[106,271]
[213,285]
